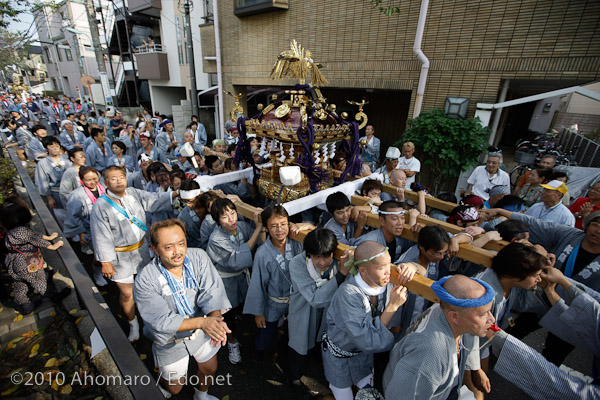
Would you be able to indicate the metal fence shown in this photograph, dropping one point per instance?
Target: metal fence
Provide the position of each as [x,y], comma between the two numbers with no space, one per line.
[585,151]
[127,360]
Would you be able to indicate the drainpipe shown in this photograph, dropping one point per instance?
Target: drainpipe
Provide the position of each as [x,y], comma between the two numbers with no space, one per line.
[498,112]
[421,56]
[218,129]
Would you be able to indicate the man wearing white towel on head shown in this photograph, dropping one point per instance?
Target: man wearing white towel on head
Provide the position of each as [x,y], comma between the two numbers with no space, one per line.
[358,319]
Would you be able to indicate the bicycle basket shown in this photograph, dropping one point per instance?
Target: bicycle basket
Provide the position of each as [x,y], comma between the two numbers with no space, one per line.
[524,158]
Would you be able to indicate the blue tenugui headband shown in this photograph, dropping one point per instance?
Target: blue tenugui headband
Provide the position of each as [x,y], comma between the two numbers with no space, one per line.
[438,289]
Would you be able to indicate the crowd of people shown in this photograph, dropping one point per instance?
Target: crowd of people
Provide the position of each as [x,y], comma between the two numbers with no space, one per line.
[187,264]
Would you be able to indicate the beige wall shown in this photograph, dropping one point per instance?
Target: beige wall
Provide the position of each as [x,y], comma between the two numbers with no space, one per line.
[471,45]
[584,105]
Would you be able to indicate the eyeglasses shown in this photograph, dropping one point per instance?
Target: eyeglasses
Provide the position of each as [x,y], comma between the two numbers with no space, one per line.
[117,178]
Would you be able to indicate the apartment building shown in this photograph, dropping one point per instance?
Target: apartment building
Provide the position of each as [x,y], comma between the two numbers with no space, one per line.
[475,48]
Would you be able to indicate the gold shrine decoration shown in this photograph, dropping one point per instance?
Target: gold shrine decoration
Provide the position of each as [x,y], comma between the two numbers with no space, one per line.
[360,116]
[297,63]
[237,110]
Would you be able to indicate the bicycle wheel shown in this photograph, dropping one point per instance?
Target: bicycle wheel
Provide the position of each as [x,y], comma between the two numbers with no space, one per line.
[517,172]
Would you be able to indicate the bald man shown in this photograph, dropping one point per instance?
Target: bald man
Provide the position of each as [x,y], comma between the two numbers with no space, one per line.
[429,362]
[398,179]
[358,318]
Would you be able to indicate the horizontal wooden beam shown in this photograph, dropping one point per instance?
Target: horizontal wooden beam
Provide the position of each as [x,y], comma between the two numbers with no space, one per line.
[419,285]
[429,200]
[454,229]
[210,152]
[466,252]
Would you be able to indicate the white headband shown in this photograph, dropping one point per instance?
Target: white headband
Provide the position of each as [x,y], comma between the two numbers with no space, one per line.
[190,194]
[391,212]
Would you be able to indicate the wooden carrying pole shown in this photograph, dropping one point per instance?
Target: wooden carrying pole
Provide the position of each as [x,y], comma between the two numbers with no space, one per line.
[430,201]
[492,245]
[419,285]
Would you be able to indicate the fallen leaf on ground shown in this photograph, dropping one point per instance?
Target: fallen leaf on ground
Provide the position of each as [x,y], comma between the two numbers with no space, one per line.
[53,362]
[278,367]
[274,383]
[67,389]
[34,350]
[15,371]
[143,356]
[18,318]
[50,373]
[10,390]
[73,311]
[28,334]
[78,320]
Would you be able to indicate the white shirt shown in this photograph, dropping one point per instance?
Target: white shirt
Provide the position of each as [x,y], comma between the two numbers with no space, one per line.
[411,164]
[558,213]
[482,181]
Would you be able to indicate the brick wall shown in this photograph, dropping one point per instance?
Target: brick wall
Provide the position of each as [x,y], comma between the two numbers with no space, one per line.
[587,123]
[471,45]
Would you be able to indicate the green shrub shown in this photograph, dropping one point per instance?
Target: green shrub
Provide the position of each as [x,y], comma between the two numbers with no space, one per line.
[449,145]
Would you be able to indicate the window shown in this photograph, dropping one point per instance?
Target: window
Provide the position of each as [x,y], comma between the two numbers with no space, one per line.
[251,7]
[58,53]
[47,54]
[68,53]
[55,84]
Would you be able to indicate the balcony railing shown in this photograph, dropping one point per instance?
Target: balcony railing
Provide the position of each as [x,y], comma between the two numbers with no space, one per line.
[152,62]
[150,48]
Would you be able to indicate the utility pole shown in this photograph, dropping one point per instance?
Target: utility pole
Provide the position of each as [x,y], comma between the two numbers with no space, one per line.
[112,71]
[91,14]
[190,55]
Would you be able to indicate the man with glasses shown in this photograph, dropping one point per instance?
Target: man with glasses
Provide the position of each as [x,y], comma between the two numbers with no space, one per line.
[485,177]
[118,225]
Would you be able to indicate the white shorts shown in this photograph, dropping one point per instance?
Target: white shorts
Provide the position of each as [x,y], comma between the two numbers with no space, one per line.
[128,279]
[174,371]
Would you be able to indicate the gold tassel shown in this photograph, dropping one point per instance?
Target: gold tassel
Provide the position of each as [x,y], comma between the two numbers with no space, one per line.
[317,77]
